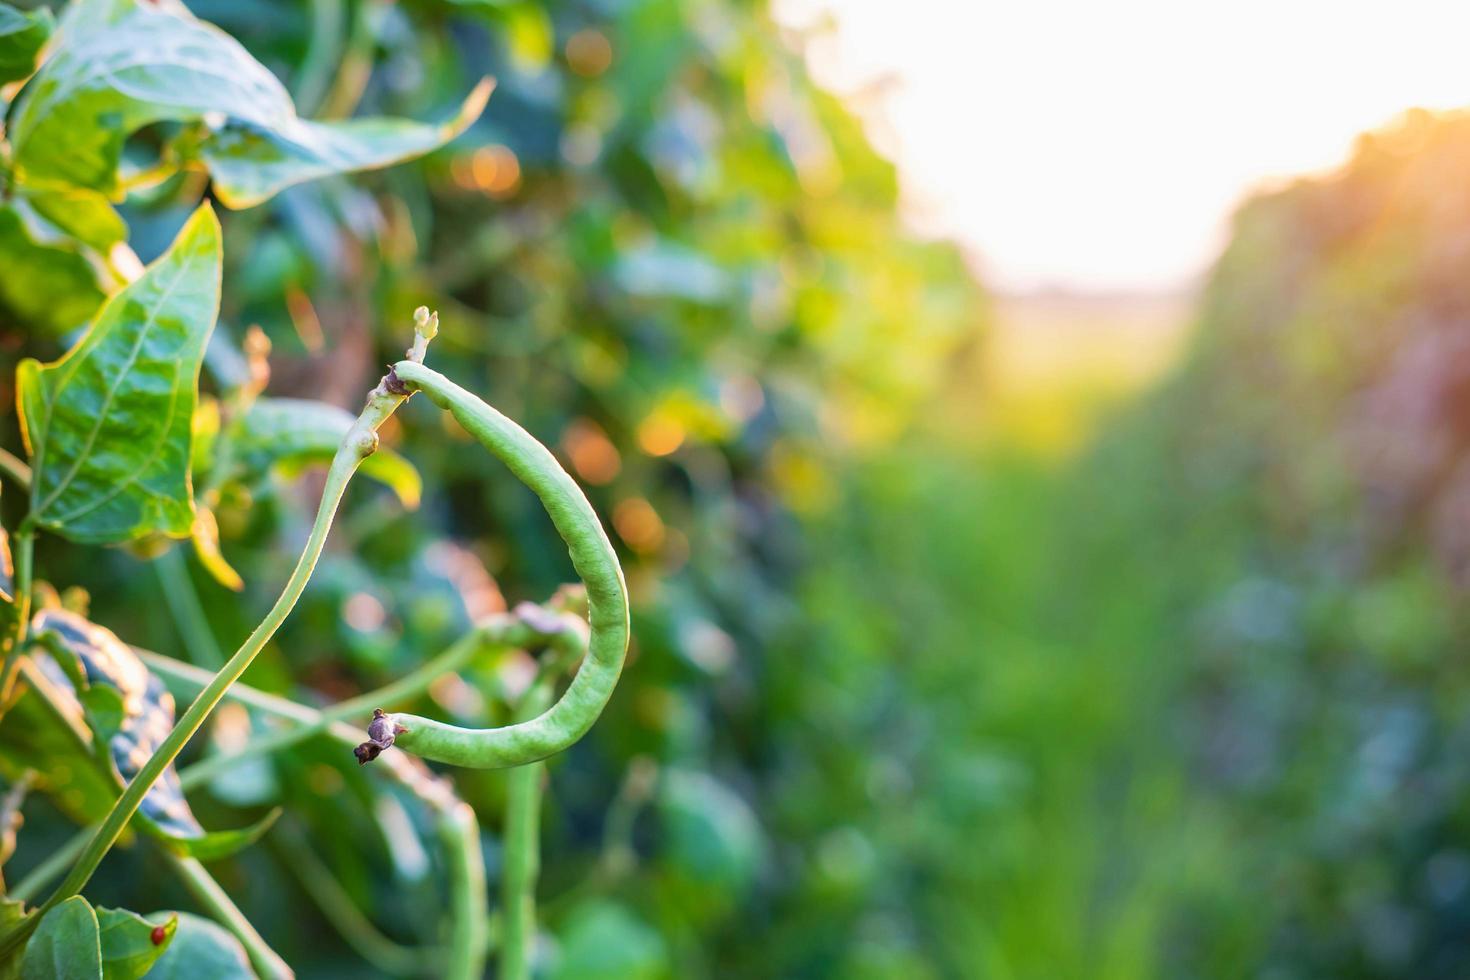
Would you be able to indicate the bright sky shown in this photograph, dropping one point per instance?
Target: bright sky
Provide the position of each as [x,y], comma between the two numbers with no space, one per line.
[1102,144]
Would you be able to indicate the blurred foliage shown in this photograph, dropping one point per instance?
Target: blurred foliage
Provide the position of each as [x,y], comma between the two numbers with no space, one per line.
[676,262]
[1187,705]
[903,702]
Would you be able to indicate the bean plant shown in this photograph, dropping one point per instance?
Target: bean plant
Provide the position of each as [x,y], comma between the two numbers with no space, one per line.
[124,94]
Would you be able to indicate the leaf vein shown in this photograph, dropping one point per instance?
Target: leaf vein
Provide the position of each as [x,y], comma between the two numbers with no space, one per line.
[86,451]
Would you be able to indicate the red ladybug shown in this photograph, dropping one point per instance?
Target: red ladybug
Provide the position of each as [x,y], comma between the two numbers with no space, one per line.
[158,935]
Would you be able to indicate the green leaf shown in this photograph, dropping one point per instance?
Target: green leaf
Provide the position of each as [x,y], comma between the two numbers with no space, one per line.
[22,35]
[130,944]
[202,949]
[147,713]
[11,911]
[109,425]
[65,945]
[156,62]
[206,548]
[44,732]
[48,286]
[216,845]
[92,715]
[292,432]
[58,249]
[80,214]
[251,164]
[103,708]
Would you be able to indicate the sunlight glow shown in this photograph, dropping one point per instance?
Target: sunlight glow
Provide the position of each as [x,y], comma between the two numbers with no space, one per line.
[1103,145]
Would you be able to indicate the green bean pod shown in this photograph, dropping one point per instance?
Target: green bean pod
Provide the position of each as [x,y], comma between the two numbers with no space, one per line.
[592,556]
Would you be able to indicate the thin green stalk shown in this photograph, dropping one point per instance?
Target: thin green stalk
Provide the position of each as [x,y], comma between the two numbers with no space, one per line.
[459,833]
[14,469]
[187,611]
[214,898]
[323,51]
[356,64]
[127,804]
[349,921]
[637,789]
[522,862]
[488,636]
[459,830]
[360,441]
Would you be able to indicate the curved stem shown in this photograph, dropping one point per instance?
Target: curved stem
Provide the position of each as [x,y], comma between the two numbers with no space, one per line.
[356,63]
[503,631]
[217,901]
[592,555]
[522,862]
[357,929]
[459,830]
[323,51]
[359,442]
[469,907]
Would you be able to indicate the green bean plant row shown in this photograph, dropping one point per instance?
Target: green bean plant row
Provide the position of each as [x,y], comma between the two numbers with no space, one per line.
[119,95]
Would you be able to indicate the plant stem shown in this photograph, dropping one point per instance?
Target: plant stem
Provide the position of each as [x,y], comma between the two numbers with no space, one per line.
[502,631]
[323,50]
[356,63]
[359,442]
[349,921]
[214,898]
[406,687]
[15,470]
[522,849]
[459,830]
[183,604]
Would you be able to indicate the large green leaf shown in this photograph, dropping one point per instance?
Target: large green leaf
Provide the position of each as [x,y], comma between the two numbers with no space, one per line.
[156,62]
[109,425]
[91,716]
[145,710]
[75,213]
[294,431]
[251,164]
[57,249]
[65,945]
[201,949]
[47,286]
[44,732]
[22,35]
[130,943]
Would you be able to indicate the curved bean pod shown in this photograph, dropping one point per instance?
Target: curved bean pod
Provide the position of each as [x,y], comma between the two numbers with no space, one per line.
[592,555]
